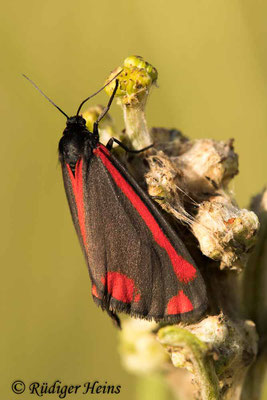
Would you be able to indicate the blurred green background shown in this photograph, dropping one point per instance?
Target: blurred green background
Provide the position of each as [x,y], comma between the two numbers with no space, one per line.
[212,62]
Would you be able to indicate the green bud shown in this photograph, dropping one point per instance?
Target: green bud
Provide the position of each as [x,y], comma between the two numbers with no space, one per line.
[139,62]
[135,80]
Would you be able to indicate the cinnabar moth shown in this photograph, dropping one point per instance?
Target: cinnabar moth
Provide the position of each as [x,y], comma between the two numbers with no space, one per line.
[136,262]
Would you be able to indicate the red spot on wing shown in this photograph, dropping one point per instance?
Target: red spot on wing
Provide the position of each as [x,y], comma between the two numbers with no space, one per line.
[184,271]
[179,304]
[77,187]
[121,287]
[137,297]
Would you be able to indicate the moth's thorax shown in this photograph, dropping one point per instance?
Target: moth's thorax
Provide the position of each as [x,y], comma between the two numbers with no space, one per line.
[77,141]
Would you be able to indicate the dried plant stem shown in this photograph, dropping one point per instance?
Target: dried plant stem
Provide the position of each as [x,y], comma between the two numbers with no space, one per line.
[195,352]
[190,180]
[135,122]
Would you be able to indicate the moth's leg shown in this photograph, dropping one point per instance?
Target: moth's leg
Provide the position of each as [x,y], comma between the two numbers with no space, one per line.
[112,140]
[157,197]
[114,317]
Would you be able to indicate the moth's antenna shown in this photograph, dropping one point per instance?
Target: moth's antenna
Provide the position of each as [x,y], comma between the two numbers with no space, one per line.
[92,95]
[106,109]
[39,90]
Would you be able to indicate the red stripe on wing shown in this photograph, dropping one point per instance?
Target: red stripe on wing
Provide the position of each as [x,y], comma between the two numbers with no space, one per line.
[184,271]
[77,187]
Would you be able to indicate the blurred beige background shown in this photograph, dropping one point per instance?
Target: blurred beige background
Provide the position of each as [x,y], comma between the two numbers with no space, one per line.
[212,61]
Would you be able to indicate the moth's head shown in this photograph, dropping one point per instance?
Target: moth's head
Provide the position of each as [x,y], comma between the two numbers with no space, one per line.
[75,125]
[77,120]
[73,142]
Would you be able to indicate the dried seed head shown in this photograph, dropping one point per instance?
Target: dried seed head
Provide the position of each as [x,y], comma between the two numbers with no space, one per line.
[165,180]
[225,233]
[208,165]
[197,170]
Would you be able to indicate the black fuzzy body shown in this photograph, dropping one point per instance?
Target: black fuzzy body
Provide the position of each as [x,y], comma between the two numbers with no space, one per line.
[77,141]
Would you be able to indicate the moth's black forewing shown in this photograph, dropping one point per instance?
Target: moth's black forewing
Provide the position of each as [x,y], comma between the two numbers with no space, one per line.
[118,240]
